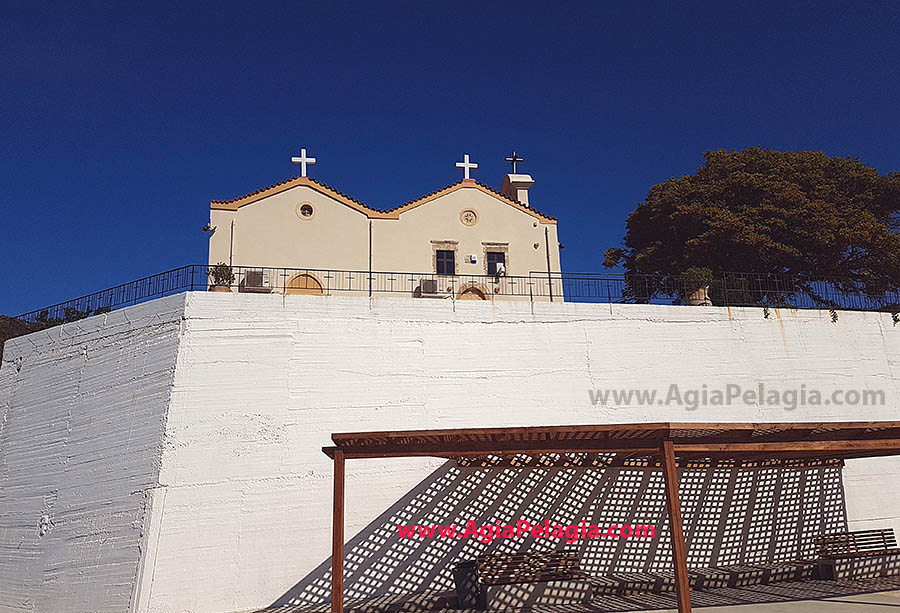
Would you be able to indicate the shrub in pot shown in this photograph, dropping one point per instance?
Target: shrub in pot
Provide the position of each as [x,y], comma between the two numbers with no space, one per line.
[221,278]
[695,286]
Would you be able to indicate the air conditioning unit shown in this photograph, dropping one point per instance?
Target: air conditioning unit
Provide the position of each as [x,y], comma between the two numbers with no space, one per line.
[256,281]
[429,288]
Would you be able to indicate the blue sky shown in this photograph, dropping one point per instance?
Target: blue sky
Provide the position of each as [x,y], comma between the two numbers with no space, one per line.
[121,121]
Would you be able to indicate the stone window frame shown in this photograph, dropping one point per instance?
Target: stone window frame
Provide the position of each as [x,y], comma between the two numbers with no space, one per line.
[445,246]
[495,247]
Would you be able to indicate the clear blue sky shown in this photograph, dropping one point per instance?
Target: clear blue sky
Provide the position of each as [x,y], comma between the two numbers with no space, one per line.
[120,121]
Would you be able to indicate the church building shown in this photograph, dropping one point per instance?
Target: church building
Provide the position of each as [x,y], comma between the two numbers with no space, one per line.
[466,240]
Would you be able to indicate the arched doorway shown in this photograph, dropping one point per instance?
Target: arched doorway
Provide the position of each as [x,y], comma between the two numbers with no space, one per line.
[472,293]
[303,283]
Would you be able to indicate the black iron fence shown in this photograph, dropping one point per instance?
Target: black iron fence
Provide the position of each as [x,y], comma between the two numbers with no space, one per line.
[732,289]
[729,289]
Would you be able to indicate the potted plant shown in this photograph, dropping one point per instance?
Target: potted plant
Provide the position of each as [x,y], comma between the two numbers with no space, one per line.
[221,277]
[695,285]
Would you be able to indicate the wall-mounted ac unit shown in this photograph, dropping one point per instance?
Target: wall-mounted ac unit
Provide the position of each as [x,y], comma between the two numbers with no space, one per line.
[429,288]
[256,281]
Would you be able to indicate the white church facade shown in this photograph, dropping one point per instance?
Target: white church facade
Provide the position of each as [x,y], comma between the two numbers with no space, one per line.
[458,241]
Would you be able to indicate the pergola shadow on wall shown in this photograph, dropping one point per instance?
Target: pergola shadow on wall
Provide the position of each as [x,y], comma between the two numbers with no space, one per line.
[667,445]
[735,514]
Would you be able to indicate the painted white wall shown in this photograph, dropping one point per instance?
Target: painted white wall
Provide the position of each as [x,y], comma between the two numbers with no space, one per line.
[242,511]
[82,418]
[262,381]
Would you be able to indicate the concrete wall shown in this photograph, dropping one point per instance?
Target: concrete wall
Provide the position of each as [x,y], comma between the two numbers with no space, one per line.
[241,515]
[263,380]
[82,417]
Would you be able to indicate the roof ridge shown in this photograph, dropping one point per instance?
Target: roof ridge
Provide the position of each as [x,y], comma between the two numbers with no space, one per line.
[490,189]
[514,201]
[431,194]
[423,196]
[295,178]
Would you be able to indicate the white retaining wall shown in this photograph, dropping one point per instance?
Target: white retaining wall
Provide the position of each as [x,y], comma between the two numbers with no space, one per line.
[82,418]
[240,517]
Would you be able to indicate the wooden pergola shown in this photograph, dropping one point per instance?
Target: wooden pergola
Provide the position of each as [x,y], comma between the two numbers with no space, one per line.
[668,445]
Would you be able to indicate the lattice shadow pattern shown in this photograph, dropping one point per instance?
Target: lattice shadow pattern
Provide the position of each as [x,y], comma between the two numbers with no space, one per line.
[732,516]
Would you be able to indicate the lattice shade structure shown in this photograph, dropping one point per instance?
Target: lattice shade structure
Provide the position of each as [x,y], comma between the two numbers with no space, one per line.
[585,445]
[664,445]
[604,460]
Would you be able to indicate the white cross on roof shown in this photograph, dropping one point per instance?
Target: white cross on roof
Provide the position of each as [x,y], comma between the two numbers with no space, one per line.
[303,161]
[466,165]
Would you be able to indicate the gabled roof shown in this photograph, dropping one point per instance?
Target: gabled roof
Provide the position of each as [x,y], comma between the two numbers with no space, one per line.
[480,186]
[236,203]
[371,212]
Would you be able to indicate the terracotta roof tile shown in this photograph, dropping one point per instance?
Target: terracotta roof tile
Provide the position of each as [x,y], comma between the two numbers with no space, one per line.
[397,209]
[296,179]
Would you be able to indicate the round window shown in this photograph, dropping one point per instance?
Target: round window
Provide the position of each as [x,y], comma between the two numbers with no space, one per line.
[468,217]
[305,210]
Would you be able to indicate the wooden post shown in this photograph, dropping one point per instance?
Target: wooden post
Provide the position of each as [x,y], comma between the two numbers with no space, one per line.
[337,536]
[679,552]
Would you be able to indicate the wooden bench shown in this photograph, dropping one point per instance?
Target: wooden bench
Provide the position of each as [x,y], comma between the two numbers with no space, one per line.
[521,579]
[630,583]
[858,555]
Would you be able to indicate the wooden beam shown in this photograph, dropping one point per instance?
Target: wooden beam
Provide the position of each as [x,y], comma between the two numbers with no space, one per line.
[523,434]
[626,432]
[337,536]
[473,450]
[844,439]
[679,552]
[818,447]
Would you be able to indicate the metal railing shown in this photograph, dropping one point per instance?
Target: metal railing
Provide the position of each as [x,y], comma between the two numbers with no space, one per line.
[731,289]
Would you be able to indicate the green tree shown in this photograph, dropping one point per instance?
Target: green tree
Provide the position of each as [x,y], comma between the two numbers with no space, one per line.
[803,214]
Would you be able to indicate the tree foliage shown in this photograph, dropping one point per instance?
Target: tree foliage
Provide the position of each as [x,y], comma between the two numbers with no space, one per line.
[803,214]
